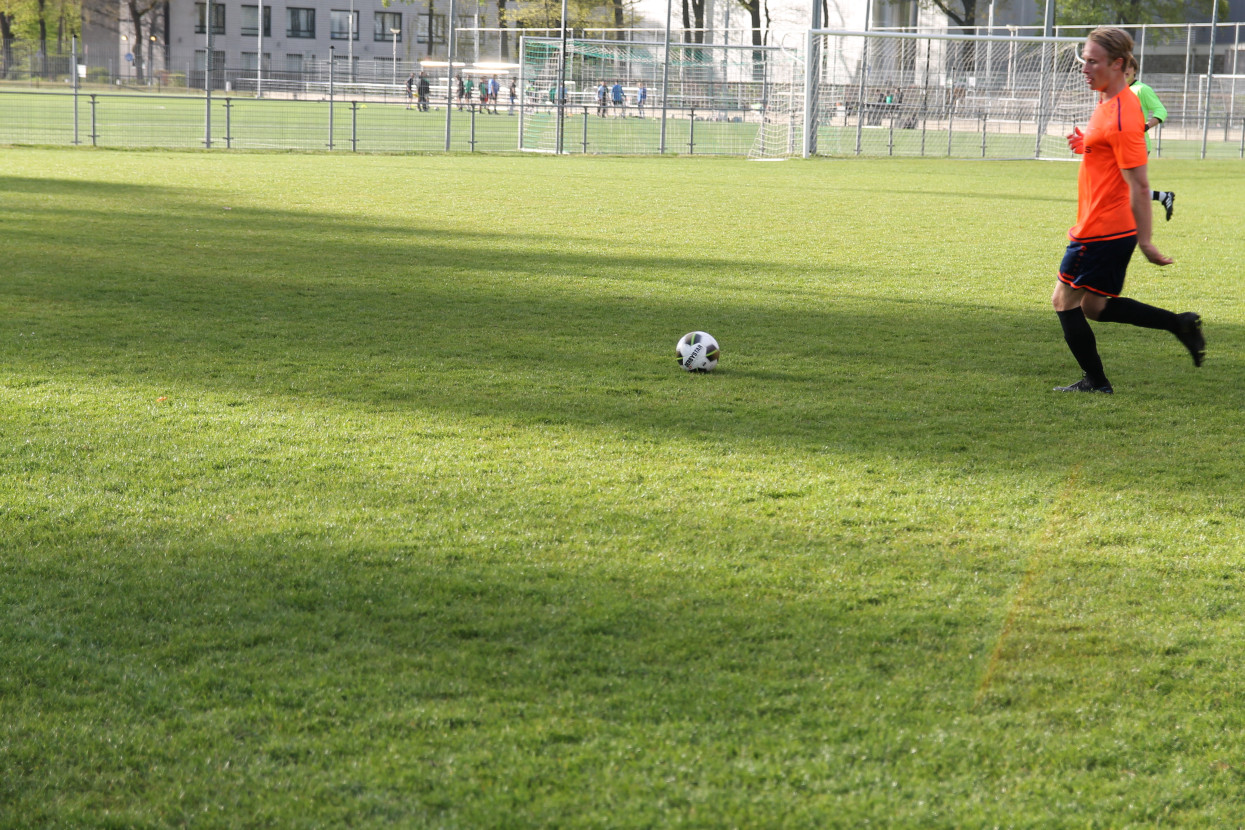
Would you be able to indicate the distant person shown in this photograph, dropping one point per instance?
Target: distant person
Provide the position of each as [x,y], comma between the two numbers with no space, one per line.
[470,87]
[514,94]
[1113,218]
[425,90]
[494,90]
[641,96]
[461,91]
[1154,111]
[410,90]
[616,93]
[601,99]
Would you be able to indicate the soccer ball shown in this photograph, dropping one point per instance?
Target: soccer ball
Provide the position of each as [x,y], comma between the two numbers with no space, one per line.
[697,351]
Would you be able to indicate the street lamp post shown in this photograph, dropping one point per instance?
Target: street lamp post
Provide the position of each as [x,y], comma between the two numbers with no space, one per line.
[395,33]
[151,50]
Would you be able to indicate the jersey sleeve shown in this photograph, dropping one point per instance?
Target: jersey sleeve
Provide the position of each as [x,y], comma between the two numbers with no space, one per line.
[1150,102]
[1130,140]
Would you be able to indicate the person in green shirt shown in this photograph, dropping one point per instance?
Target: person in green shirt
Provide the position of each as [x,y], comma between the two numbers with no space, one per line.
[1154,111]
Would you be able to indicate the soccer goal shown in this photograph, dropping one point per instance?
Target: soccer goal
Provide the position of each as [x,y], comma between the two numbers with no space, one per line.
[692,98]
[961,96]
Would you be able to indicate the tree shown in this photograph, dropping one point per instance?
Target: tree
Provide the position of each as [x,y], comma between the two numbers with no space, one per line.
[693,21]
[754,9]
[501,24]
[140,9]
[30,20]
[962,13]
[1133,12]
[6,43]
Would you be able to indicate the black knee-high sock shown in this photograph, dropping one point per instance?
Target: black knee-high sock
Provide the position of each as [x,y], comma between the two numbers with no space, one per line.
[1124,310]
[1080,339]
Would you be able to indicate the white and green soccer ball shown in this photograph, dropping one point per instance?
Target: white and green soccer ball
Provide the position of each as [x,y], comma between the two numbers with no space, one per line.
[697,351]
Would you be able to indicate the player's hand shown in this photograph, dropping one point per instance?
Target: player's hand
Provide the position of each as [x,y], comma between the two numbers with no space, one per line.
[1154,255]
[1076,141]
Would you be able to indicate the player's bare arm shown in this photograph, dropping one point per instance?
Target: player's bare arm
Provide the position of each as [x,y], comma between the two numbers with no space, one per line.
[1139,197]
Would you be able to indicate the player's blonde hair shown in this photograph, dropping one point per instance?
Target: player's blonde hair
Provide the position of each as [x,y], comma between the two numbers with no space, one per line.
[1117,43]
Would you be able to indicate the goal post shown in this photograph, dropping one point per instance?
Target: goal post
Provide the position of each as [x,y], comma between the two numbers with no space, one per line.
[927,94]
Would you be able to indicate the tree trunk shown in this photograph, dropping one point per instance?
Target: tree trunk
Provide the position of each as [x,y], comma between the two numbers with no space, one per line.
[501,24]
[6,35]
[43,39]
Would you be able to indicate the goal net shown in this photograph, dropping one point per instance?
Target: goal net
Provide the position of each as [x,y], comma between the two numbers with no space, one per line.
[692,99]
[893,93]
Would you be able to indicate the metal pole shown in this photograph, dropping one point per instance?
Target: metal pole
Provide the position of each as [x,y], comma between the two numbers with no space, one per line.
[1184,92]
[1236,54]
[1210,73]
[559,93]
[522,86]
[350,44]
[207,79]
[860,95]
[449,73]
[990,47]
[259,53]
[665,79]
[1048,28]
[74,42]
[331,62]
[812,73]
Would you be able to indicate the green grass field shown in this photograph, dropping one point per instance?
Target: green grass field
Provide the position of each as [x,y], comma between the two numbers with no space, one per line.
[365,491]
[145,120]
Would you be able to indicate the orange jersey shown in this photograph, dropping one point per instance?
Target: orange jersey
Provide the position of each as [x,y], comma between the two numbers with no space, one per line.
[1114,140]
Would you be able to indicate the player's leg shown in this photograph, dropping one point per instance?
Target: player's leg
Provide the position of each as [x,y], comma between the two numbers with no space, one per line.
[1166,198]
[1080,339]
[1187,327]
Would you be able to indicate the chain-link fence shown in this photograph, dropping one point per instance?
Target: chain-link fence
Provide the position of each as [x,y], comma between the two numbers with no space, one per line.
[691,98]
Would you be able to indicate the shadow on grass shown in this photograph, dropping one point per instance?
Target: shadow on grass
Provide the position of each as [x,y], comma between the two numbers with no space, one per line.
[418,681]
[561,328]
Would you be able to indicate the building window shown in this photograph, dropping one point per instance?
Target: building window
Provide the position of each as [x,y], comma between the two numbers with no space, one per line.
[385,22]
[438,29]
[218,18]
[218,60]
[302,23]
[340,26]
[250,21]
[249,63]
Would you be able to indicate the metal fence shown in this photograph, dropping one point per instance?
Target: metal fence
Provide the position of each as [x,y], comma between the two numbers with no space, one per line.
[700,98]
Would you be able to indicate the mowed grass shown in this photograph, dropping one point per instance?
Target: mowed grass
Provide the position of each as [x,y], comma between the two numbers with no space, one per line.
[365,491]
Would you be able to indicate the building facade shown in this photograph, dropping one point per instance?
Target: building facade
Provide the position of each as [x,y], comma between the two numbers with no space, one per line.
[366,39]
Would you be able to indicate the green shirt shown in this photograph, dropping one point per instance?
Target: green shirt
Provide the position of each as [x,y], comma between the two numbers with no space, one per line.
[1151,106]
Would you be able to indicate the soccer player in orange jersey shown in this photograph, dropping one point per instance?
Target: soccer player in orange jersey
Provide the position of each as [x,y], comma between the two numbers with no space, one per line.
[1112,219]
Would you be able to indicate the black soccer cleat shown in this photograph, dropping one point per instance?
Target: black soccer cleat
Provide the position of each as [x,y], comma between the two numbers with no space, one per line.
[1084,385]
[1189,332]
[1168,201]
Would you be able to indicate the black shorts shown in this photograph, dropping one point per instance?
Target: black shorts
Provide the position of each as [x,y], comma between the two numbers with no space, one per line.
[1097,266]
